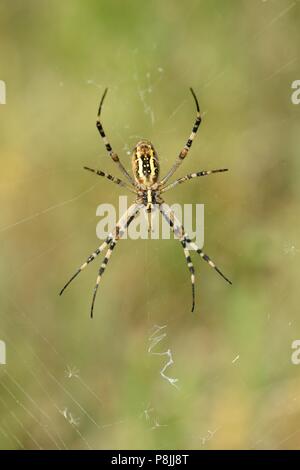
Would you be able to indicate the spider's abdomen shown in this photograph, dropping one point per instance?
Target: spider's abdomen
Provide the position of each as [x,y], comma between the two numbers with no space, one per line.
[145,165]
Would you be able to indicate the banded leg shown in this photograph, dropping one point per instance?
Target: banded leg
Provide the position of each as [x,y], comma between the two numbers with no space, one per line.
[116,238]
[111,178]
[89,260]
[130,211]
[207,259]
[180,232]
[188,145]
[191,176]
[113,155]
[170,219]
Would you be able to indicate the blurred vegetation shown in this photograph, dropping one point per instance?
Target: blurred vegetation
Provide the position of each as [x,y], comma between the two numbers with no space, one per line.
[237,385]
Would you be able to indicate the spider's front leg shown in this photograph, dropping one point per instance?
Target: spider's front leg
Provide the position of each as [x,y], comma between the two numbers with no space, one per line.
[185,240]
[178,230]
[119,231]
[131,211]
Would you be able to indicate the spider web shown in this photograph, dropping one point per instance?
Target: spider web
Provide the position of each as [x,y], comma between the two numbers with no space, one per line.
[51,398]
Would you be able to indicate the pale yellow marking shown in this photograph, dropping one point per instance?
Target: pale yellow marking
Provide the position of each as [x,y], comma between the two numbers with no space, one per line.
[140,168]
[152,167]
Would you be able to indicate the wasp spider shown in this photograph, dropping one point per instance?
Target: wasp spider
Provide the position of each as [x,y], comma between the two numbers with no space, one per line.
[148,188]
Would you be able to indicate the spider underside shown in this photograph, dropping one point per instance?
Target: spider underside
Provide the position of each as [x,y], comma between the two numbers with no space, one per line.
[148,188]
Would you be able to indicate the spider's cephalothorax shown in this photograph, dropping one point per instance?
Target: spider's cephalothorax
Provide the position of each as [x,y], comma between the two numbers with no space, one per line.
[145,164]
[147,188]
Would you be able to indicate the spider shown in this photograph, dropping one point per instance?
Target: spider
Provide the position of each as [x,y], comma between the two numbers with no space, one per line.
[148,188]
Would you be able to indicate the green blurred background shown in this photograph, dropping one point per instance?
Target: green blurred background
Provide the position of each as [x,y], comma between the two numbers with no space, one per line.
[73,382]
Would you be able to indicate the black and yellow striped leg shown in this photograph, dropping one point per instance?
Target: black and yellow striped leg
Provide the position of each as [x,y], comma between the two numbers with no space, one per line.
[119,233]
[119,228]
[109,149]
[89,260]
[180,229]
[191,269]
[191,176]
[183,236]
[206,258]
[111,178]
[170,219]
[100,273]
[188,145]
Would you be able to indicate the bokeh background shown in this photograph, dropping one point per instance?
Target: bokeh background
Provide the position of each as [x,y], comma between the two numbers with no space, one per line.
[76,383]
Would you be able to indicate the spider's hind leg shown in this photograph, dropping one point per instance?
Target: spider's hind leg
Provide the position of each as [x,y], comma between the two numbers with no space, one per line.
[108,147]
[183,153]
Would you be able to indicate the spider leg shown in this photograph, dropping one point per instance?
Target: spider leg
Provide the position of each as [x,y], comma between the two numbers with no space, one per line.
[207,259]
[188,144]
[109,149]
[191,176]
[191,269]
[111,178]
[183,236]
[116,238]
[131,210]
[179,228]
[100,273]
[170,219]
[89,259]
